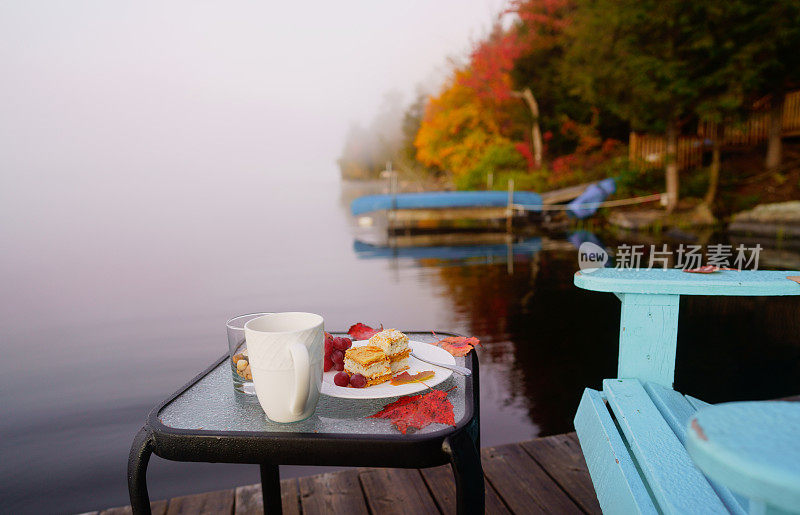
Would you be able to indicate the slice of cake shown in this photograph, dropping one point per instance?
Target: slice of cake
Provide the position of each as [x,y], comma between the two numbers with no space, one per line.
[395,345]
[370,361]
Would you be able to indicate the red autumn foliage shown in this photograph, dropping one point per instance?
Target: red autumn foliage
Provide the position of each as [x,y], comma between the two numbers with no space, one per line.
[590,151]
[491,61]
[707,269]
[361,331]
[563,165]
[525,150]
[549,17]
[418,411]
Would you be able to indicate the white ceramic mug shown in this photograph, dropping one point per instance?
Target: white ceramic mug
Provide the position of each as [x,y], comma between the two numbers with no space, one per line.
[286,352]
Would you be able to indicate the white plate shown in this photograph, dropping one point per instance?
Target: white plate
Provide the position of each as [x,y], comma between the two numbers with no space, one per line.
[425,350]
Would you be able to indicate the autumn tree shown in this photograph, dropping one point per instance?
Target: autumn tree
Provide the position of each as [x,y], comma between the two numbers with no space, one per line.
[474,110]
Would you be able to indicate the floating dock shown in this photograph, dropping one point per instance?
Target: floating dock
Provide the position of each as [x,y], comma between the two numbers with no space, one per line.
[445,200]
[415,210]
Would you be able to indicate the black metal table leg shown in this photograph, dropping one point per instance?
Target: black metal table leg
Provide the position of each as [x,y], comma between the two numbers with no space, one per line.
[466,463]
[271,489]
[141,449]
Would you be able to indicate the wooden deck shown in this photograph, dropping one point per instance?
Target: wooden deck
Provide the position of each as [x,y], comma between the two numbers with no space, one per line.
[545,475]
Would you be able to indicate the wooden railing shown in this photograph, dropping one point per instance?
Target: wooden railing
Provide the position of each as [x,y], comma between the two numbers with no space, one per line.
[649,150]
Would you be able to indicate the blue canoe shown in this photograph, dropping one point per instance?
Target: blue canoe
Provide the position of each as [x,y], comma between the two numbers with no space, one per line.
[587,202]
[368,251]
[443,199]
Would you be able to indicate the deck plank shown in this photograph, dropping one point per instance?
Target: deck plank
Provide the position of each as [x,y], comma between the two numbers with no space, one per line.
[157,507]
[396,491]
[442,484]
[249,501]
[561,457]
[545,475]
[219,502]
[522,483]
[333,492]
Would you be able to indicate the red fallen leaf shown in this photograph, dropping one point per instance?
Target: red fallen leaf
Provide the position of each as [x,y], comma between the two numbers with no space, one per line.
[458,345]
[794,278]
[360,331]
[460,341]
[418,411]
[406,378]
[707,269]
[459,352]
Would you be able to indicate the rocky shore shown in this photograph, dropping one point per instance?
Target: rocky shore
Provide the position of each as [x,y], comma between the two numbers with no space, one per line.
[780,220]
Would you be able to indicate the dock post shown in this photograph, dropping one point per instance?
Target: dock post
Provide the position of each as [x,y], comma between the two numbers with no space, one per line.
[393,192]
[510,209]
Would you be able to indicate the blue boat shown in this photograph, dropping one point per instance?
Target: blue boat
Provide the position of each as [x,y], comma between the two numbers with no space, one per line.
[444,199]
[587,203]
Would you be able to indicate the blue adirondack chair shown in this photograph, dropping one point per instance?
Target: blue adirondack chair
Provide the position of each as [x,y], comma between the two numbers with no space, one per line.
[639,436]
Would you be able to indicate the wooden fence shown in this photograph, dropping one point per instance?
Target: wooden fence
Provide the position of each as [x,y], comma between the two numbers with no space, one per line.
[649,150]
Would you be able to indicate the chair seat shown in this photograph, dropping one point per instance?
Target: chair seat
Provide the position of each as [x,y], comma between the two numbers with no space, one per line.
[633,436]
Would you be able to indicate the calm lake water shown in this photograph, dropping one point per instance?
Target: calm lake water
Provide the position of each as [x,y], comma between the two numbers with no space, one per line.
[114,295]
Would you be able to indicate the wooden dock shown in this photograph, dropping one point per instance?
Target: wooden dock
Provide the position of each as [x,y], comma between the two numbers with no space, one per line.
[545,475]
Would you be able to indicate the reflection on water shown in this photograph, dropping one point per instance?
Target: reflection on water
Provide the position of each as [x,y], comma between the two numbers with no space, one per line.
[128,303]
[478,251]
[547,340]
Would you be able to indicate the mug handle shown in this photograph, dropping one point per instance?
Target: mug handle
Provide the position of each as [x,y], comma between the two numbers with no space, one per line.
[302,376]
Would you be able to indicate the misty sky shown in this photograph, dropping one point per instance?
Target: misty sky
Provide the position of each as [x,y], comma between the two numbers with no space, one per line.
[97,91]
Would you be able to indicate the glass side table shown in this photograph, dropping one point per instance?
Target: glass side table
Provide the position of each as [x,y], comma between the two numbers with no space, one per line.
[206,421]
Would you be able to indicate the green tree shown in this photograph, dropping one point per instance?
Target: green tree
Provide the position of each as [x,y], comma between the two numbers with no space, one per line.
[645,60]
[724,58]
[749,52]
[412,120]
[772,52]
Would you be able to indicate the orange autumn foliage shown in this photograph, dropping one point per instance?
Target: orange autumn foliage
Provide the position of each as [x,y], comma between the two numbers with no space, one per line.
[457,128]
[474,110]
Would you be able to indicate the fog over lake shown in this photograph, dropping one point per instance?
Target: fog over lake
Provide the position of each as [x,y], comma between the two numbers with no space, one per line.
[162,167]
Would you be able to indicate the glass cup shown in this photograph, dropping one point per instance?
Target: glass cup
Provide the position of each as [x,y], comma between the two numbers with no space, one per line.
[240,360]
